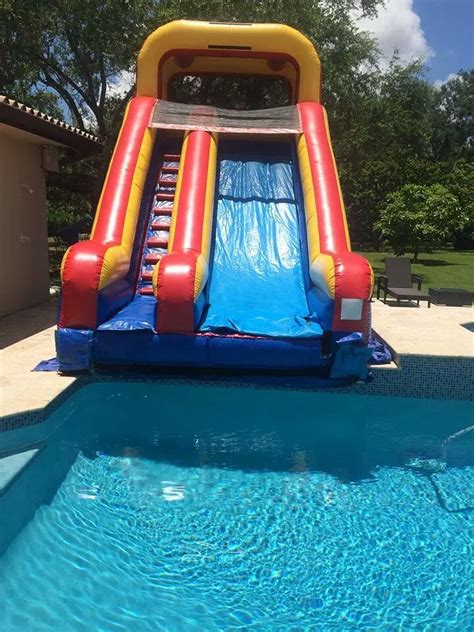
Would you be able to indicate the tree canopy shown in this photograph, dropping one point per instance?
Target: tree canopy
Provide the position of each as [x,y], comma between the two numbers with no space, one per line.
[419,218]
[390,127]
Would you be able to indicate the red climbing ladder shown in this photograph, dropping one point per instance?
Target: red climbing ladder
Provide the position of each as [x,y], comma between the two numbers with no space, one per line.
[157,237]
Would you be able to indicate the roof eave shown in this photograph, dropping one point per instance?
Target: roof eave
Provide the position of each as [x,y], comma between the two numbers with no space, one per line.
[22,117]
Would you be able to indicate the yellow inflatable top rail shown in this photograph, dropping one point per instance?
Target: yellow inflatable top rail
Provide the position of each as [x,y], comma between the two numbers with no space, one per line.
[187,47]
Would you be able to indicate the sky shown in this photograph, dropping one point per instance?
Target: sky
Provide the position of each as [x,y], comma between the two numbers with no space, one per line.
[441,32]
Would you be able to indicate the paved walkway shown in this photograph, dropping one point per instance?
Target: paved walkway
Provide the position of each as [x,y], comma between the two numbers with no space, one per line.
[27,337]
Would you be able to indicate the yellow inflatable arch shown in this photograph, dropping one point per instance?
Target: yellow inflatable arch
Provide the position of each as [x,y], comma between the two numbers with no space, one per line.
[188,47]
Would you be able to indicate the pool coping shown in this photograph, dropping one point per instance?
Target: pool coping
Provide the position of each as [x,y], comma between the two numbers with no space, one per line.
[415,376]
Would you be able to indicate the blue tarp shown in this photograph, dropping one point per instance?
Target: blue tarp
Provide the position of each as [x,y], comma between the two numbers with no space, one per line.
[51,365]
[381,354]
[257,283]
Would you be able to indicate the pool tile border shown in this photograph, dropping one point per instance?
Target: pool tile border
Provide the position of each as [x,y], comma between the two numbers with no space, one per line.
[427,377]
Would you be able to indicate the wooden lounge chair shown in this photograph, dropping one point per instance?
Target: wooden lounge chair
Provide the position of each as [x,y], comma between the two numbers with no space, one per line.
[398,282]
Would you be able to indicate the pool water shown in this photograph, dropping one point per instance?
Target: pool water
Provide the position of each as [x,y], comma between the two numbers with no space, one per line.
[185,507]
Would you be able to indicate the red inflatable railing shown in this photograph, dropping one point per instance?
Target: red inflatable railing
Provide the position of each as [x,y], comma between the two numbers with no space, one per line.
[345,276]
[90,266]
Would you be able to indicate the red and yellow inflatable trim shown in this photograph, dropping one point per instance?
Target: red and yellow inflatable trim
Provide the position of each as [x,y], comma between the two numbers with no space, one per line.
[343,275]
[89,266]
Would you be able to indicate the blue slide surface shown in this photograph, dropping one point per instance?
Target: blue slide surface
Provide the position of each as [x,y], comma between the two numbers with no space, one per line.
[259,275]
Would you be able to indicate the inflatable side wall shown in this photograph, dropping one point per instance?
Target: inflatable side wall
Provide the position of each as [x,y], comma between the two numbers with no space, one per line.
[93,272]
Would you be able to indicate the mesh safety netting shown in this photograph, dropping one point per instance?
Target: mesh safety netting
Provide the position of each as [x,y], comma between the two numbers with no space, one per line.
[182,116]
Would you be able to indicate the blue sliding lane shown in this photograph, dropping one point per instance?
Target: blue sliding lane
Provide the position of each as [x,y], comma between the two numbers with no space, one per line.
[259,275]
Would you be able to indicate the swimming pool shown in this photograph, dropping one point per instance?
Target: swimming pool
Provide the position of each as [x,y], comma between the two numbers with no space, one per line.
[176,506]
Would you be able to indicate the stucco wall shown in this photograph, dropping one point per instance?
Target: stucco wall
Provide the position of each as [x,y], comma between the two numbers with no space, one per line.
[24,268]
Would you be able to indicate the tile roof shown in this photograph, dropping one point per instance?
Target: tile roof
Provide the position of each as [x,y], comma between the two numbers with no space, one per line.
[29,119]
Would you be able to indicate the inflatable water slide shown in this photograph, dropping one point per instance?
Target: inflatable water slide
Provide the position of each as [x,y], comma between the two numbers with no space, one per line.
[220,238]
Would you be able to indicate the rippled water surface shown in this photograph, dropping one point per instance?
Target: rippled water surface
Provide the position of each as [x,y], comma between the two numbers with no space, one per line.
[186,507]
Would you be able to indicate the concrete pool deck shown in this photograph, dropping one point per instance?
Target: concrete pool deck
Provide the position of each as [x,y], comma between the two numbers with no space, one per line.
[27,337]
[434,331]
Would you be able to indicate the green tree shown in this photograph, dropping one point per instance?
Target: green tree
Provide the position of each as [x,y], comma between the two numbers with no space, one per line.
[460,182]
[73,50]
[418,218]
[389,128]
[69,54]
[389,144]
[66,57]
[453,136]
[77,49]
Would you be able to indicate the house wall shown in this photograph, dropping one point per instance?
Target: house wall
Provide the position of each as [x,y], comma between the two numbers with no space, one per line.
[24,266]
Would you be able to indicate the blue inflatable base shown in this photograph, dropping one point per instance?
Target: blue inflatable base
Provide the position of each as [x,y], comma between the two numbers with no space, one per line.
[78,350]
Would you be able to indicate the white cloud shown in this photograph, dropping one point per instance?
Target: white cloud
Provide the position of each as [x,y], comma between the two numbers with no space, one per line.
[440,82]
[397,27]
[121,83]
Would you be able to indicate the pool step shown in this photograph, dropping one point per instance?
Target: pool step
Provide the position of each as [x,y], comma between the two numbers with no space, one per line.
[12,465]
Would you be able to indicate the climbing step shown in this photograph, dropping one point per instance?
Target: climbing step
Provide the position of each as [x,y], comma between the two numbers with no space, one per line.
[147,275]
[157,242]
[157,238]
[167,183]
[152,258]
[146,290]
[163,210]
[159,226]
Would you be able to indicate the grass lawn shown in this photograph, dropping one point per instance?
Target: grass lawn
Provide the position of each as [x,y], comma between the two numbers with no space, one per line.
[442,268]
